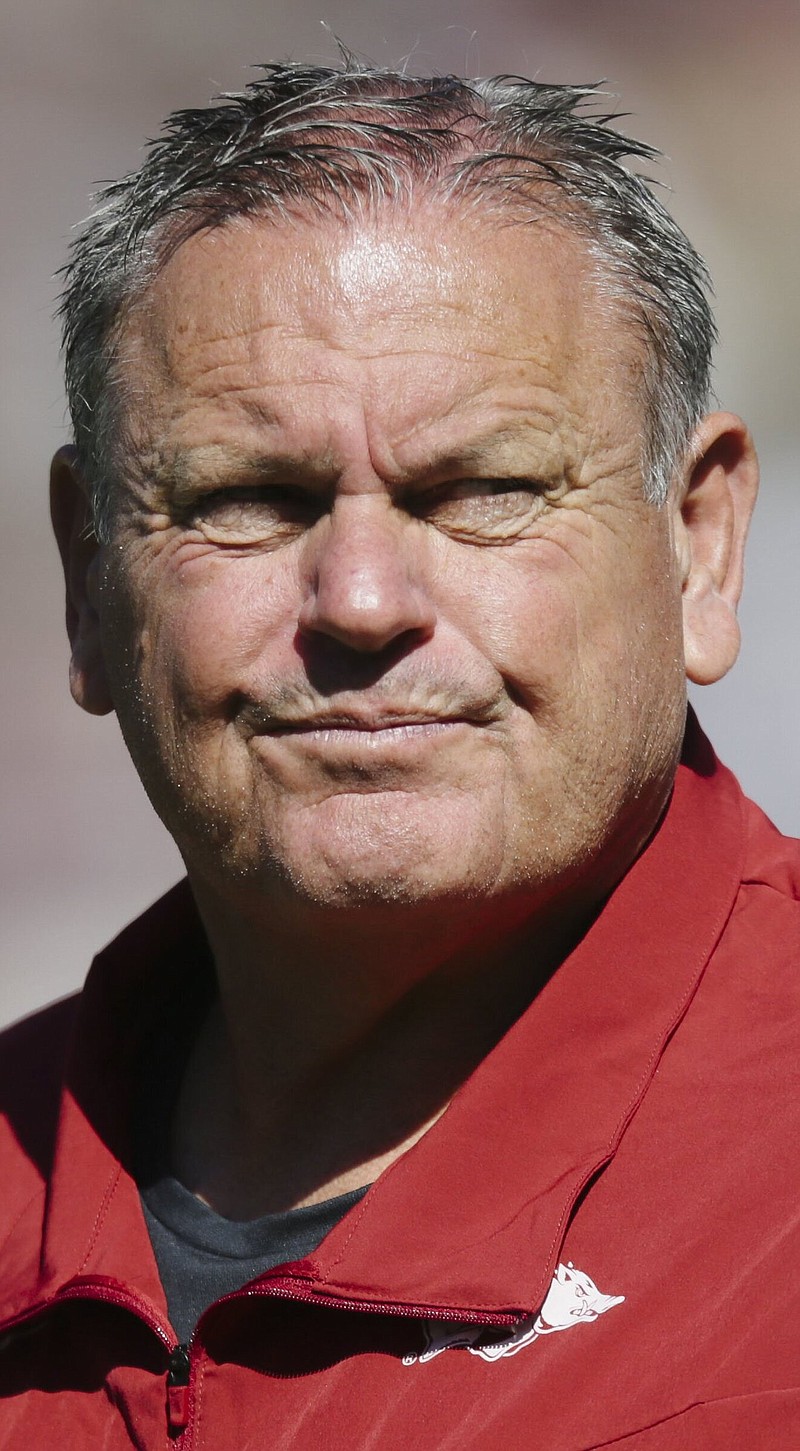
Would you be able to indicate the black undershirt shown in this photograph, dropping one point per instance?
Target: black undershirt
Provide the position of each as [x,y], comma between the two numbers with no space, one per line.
[202,1256]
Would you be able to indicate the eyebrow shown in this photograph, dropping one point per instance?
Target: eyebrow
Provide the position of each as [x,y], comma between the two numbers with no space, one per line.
[179,475]
[205,467]
[511,448]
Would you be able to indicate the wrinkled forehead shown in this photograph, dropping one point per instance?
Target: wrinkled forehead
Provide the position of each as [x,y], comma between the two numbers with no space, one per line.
[437,261]
[420,312]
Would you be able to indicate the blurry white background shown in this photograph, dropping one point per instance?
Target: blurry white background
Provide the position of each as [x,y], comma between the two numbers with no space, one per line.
[713,83]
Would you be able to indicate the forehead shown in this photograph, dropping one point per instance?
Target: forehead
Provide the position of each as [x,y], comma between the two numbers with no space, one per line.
[408,321]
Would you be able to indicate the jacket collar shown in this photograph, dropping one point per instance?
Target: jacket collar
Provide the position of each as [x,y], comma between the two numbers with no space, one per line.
[478,1209]
[473,1217]
[91,1226]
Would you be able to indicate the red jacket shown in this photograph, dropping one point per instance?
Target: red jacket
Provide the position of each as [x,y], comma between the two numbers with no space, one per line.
[634,1136]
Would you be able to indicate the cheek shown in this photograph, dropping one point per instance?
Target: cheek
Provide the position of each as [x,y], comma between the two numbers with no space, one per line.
[583,619]
[208,626]
[521,608]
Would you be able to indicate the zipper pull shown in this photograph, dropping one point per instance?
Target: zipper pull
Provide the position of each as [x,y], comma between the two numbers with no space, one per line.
[178,1390]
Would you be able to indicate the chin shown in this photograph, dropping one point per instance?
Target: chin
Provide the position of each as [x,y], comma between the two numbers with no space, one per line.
[344,880]
[367,849]
[349,887]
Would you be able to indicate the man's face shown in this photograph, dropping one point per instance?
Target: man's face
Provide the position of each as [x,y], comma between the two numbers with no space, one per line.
[385,616]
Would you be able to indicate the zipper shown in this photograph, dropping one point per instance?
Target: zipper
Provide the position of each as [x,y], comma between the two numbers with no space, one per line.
[106,1291]
[179,1357]
[178,1376]
[102,1290]
[179,1365]
[296,1289]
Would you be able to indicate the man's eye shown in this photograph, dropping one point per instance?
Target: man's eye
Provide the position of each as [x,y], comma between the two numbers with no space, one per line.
[251,513]
[494,508]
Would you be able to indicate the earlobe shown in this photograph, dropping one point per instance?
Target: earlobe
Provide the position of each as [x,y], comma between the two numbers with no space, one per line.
[71,518]
[719,492]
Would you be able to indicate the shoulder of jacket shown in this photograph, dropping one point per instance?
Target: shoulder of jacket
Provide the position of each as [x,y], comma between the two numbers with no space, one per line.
[772,859]
[32,1055]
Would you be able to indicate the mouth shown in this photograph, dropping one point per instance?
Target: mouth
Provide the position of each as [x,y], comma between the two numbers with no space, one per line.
[364,736]
[337,738]
[380,741]
[338,727]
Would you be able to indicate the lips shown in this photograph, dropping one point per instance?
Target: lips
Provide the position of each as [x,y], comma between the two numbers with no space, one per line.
[373,725]
[295,713]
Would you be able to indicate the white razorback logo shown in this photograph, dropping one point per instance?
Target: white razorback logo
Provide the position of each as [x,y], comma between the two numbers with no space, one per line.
[573,1299]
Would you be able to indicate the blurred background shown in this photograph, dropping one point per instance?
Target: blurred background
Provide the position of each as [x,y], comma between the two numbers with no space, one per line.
[713,83]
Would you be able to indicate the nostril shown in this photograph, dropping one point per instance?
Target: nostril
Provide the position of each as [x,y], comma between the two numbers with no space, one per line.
[331,666]
[364,634]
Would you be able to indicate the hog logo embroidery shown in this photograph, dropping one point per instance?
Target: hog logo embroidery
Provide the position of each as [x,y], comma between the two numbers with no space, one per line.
[571,1300]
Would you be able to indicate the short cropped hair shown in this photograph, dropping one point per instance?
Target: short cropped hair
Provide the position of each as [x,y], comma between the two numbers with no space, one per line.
[303,141]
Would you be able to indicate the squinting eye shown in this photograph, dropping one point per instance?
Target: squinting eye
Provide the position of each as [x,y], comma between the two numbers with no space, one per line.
[489,508]
[490,488]
[254,513]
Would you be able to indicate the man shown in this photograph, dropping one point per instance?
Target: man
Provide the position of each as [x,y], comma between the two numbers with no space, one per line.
[448,1104]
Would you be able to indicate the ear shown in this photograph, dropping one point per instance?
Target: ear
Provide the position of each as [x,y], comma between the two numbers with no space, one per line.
[713,510]
[71,516]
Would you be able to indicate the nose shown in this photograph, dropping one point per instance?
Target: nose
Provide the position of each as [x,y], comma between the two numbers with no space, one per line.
[364,588]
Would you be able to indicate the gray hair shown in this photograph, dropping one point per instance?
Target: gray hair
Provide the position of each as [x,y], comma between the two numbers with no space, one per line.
[305,141]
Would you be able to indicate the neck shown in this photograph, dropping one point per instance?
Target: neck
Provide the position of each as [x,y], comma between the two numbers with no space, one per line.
[339,1038]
